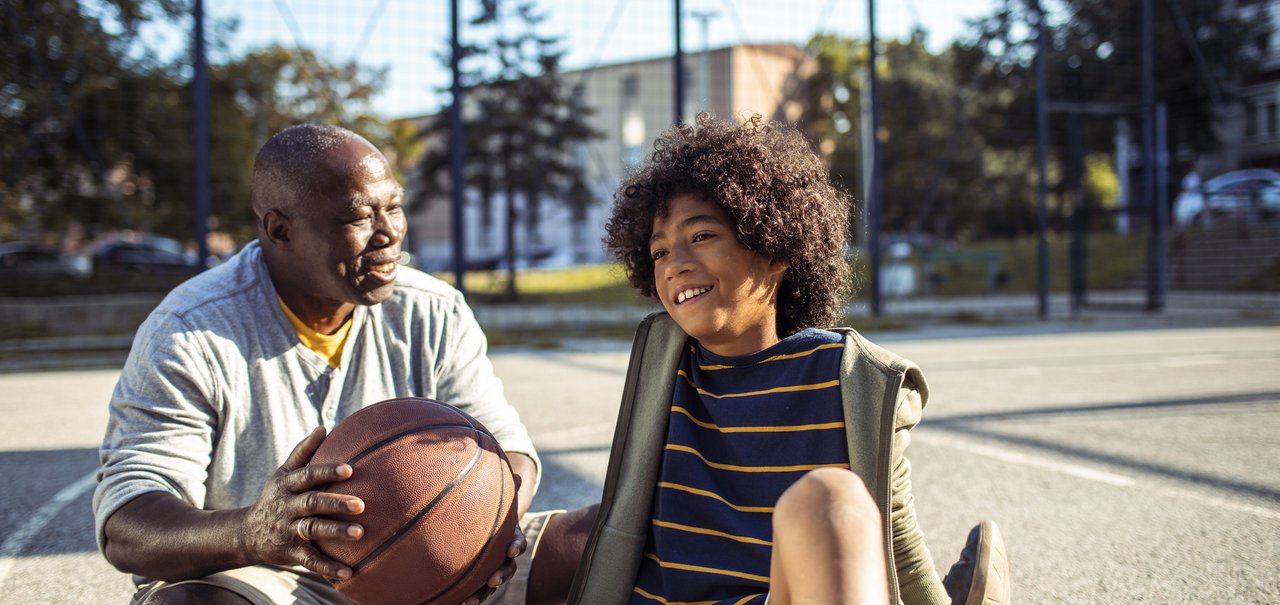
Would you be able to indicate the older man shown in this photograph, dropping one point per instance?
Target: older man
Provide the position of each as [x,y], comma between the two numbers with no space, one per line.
[205,491]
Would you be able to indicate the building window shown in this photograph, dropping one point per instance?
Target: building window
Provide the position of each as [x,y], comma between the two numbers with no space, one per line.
[1271,118]
[1250,120]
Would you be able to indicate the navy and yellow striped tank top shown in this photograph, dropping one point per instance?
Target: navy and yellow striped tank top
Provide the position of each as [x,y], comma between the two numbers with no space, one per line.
[742,430]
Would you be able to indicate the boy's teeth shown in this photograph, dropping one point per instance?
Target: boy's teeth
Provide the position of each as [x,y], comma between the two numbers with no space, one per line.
[690,293]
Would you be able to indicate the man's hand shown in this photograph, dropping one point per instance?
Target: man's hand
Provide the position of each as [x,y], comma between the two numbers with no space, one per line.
[290,513]
[504,573]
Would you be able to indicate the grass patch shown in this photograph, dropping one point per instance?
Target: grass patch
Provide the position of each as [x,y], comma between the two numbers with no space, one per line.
[876,324]
[583,285]
[1114,261]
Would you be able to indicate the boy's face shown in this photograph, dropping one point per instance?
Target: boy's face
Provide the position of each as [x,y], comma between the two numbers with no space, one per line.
[717,290]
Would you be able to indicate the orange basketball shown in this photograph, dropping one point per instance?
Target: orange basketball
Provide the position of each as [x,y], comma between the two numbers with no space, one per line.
[440,502]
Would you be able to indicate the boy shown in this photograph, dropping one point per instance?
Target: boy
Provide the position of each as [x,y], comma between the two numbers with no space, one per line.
[750,442]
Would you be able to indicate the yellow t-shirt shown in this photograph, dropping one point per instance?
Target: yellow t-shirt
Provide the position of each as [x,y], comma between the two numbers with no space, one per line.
[328,346]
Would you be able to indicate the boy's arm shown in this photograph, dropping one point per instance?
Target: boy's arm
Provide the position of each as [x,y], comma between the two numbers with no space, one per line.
[918,581]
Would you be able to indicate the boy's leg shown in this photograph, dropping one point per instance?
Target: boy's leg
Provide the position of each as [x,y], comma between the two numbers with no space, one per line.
[827,542]
[558,554]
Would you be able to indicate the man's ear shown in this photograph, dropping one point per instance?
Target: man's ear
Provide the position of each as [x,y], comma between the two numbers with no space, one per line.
[277,228]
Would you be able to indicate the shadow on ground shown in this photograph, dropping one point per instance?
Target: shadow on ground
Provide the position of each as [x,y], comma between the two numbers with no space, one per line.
[1001,427]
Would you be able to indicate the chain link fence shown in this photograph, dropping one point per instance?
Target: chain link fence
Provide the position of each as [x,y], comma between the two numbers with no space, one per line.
[99,153]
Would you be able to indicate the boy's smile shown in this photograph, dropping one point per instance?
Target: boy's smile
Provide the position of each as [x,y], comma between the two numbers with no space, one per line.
[718,290]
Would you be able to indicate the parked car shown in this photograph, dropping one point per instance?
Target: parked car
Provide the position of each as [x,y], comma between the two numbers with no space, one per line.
[32,260]
[151,253]
[1253,193]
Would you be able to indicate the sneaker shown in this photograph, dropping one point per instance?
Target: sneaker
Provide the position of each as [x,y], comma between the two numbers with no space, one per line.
[981,576]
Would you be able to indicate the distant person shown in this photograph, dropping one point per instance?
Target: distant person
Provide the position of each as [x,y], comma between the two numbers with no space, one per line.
[1190,206]
[761,457]
[205,492]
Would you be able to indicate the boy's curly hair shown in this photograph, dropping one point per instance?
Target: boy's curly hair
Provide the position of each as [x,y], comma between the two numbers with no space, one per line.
[774,189]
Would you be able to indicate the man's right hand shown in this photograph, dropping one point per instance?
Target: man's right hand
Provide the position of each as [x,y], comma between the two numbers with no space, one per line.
[290,513]
[160,536]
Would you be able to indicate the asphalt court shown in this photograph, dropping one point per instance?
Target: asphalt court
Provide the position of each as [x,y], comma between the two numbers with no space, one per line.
[1122,465]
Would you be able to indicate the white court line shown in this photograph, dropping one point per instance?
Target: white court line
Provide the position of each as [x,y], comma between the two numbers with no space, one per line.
[20,539]
[1075,470]
[1222,503]
[1187,361]
[1083,472]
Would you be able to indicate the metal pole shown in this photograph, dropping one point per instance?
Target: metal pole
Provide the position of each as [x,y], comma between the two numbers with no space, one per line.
[456,143]
[1161,214]
[873,199]
[1042,162]
[200,119]
[678,64]
[1154,301]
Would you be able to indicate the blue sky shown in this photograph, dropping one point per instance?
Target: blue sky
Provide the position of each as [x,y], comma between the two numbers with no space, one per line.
[407,36]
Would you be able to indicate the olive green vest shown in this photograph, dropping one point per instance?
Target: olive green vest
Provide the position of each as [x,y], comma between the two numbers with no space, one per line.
[870,381]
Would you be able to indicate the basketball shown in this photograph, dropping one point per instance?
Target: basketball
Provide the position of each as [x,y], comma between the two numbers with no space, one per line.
[440,502]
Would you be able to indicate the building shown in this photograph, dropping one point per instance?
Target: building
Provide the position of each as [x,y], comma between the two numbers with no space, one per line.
[630,104]
[1250,131]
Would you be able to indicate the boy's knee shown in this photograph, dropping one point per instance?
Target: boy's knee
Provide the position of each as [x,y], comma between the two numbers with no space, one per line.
[833,491]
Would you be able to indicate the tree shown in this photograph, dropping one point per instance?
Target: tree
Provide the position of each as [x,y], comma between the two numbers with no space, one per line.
[520,124]
[99,129]
[933,164]
[61,61]
[1095,57]
[99,132]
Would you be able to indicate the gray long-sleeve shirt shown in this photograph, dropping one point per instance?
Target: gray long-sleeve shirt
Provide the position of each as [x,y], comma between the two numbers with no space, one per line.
[218,389]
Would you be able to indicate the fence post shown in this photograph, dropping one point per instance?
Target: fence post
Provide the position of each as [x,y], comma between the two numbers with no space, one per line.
[874,204]
[1042,163]
[1154,298]
[455,151]
[678,65]
[200,121]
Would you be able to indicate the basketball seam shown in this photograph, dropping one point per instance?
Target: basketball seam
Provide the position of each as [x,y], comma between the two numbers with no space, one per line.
[418,429]
[493,531]
[421,512]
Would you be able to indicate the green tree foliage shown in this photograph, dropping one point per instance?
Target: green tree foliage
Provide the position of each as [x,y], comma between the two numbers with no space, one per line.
[520,124]
[936,174]
[957,129]
[61,67]
[1095,57]
[99,130]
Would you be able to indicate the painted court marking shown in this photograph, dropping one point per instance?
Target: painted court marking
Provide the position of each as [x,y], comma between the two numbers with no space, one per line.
[1100,476]
[1014,457]
[18,541]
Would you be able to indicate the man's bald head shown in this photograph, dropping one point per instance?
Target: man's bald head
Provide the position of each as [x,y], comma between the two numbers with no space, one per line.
[295,165]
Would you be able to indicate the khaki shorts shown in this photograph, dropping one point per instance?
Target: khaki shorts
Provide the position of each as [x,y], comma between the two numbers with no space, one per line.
[271,584]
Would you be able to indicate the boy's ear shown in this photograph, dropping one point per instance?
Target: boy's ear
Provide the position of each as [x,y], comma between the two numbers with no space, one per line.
[778,268]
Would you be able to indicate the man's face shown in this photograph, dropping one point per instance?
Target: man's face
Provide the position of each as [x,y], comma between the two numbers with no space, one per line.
[346,243]
[715,288]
